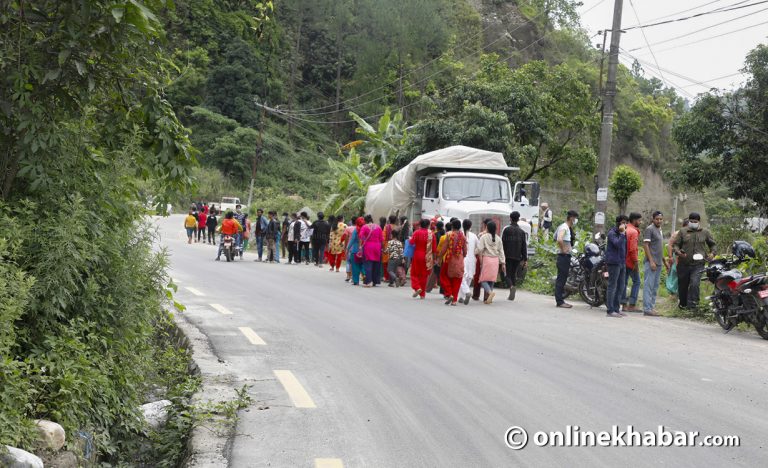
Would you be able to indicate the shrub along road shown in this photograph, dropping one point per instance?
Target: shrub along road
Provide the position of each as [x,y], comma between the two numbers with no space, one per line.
[372,377]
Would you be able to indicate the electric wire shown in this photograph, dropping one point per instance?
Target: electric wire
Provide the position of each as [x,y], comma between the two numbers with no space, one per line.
[697,15]
[645,38]
[701,29]
[704,39]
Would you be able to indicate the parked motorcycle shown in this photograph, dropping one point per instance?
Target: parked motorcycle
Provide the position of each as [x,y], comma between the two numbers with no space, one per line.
[230,250]
[593,287]
[737,298]
[575,274]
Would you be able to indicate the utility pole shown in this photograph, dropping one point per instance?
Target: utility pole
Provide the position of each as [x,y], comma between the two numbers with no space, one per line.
[257,154]
[606,131]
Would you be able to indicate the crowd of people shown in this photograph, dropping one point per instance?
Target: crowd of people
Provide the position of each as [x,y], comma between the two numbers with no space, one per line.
[459,263]
[687,251]
[446,256]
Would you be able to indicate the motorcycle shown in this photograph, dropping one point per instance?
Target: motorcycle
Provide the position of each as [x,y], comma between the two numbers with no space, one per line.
[230,250]
[737,298]
[593,287]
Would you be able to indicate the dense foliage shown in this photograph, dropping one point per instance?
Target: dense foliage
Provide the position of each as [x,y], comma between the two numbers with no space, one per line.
[85,127]
[724,137]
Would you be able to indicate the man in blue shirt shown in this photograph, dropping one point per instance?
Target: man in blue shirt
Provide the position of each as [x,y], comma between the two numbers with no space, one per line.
[615,258]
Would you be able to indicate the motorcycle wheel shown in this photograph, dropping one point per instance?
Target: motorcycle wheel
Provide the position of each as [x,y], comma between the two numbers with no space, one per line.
[589,294]
[761,323]
[724,322]
[227,254]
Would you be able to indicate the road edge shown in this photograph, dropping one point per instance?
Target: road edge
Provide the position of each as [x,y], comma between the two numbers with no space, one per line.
[207,447]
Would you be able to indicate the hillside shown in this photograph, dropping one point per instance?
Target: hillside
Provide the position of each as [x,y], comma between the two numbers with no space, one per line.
[312,62]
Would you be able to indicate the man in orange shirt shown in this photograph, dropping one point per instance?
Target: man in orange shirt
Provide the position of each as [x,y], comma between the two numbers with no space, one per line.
[230,227]
[633,264]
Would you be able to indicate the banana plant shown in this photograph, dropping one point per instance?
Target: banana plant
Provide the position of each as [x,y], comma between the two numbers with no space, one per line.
[350,179]
[381,143]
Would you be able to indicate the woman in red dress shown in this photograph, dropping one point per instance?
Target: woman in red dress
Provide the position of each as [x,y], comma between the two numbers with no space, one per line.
[452,270]
[424,245]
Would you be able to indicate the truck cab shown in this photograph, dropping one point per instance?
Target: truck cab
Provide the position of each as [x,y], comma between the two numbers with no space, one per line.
[464,195]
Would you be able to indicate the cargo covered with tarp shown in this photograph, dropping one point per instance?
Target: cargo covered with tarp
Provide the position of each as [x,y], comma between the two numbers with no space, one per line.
[398,194]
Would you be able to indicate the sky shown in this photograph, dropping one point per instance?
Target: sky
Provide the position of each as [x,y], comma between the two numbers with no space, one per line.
[692,64]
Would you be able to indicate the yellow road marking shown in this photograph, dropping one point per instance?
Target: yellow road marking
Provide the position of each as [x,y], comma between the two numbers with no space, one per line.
[194,291]
[299,396]
[328,463]
[251,335]
[221,309]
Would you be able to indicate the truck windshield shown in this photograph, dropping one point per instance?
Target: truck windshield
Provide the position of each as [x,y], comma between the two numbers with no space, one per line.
[458,188]
[230,200]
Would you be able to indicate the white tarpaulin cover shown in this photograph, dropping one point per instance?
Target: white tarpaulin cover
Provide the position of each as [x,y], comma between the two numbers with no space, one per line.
[396,195]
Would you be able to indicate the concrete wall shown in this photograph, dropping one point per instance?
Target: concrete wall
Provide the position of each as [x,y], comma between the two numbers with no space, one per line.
[656,194]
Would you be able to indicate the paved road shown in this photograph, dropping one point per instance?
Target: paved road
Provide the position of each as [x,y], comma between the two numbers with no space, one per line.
[378,379]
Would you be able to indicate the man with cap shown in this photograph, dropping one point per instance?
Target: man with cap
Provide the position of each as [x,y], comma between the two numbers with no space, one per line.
[691,246]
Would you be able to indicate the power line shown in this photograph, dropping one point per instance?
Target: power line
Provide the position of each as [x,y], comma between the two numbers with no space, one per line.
[685,18]
[685,11]
[680,89]
[710,80]
[704,39]
[702,29]
[645,38]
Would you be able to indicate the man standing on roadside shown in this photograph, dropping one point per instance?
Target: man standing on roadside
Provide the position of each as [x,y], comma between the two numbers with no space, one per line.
[546,220]
[270,235]
[514,240]
[564,247]
[616,259]
[633,263]
[259,231]
[284,235]
[653,245]
[241,218]
[691,248]
[321,231]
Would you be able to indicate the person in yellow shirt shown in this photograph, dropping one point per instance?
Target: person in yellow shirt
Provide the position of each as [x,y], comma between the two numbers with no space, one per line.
[190,224]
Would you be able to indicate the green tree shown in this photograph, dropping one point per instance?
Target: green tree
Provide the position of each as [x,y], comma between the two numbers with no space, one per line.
[84,126]
[624,182]
[541,117]
[723,138]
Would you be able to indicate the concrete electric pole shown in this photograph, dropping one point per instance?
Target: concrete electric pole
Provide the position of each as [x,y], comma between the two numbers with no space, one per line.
[606,131]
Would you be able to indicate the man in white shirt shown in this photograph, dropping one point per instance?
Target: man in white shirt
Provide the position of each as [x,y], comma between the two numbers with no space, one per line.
[564,246]
[526,227]
[523,198]
[546,219]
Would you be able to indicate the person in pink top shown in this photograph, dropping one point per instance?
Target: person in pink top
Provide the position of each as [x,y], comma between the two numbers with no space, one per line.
[371,237]
[632,264]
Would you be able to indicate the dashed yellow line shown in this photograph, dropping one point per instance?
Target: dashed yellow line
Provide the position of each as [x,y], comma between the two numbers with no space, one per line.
[221,309]
[328,463]
[299,396]
[251,335]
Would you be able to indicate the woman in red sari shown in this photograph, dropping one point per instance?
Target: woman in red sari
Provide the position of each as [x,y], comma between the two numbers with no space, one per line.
[452,270]
[424,245]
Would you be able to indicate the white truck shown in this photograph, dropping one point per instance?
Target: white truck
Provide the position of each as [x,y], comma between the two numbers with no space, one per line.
[457,181]
[228,203]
